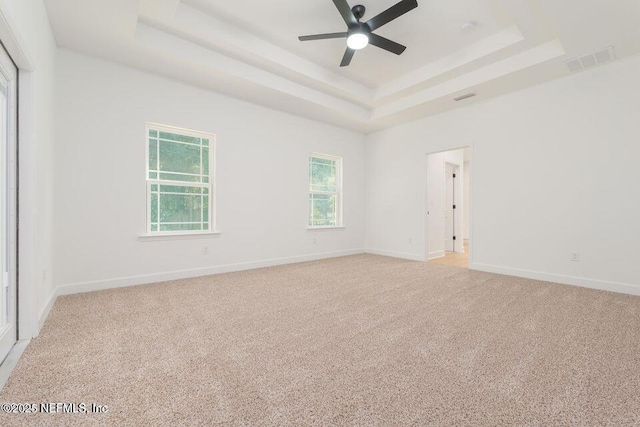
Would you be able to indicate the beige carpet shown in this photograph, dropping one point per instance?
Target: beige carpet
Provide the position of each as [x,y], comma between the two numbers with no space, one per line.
[361,340]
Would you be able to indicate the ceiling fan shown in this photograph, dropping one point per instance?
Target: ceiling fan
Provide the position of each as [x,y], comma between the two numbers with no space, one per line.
[360,34]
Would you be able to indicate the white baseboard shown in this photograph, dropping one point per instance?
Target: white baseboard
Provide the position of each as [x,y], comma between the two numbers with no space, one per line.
[403,255]
[120,282]
[623,288]
[437,254]
[44,313]
[10,362]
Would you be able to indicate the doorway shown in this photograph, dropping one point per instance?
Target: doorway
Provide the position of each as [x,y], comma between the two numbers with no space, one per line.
[8,203]
[448,225]
[451,173]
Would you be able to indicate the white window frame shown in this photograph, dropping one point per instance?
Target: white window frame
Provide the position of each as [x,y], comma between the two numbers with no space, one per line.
[337,193]
[211,185]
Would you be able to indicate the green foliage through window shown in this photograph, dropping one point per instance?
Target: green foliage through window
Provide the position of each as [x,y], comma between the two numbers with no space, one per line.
[179,179]
[324,188]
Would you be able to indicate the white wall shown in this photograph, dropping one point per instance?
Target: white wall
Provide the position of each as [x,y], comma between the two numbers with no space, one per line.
[262,179]
[554,171]
[436,200]
[37,47]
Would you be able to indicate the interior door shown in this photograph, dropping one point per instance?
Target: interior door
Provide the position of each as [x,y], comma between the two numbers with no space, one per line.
[449,212]
[8,203]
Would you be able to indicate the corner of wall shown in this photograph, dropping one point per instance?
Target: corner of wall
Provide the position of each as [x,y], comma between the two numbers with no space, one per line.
[44,312]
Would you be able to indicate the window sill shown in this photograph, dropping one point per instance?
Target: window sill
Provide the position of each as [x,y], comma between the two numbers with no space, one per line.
[177,236]
[331,227]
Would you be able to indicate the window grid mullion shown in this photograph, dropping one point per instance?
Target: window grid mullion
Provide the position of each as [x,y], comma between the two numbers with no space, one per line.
[206,189]
[201,180]
[179,183]
[335,165]
[180,142]
[323,192]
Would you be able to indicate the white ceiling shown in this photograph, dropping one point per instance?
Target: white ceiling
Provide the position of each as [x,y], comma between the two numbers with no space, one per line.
[249,49]
[283,24]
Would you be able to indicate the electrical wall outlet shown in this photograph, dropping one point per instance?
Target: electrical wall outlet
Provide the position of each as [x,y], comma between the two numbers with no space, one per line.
[314,241]
[205,250]
[575,256]
[410,241]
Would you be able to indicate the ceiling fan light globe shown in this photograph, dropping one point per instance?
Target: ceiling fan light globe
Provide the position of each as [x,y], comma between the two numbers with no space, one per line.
[357,41]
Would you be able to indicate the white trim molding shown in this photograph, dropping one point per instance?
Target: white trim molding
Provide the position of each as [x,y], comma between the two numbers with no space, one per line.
[437,254]
[13,41]
[329,228]
[178,236]
[16,46]
[602,285]
[10,362]
[120,282]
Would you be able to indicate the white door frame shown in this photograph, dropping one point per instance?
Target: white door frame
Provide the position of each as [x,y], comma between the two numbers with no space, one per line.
[8,204]
[425,200]
[457,247]
[28,325]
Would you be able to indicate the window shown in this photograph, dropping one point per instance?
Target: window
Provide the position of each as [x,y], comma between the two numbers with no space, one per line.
[325,190]
[179,181]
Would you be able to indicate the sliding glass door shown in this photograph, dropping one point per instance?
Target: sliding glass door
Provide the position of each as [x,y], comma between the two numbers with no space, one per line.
[8,203]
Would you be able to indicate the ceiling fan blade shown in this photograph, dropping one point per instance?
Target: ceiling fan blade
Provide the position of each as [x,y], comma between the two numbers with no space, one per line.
[345,11]
[348,55]
[323,36]
[386,44]
[392,13]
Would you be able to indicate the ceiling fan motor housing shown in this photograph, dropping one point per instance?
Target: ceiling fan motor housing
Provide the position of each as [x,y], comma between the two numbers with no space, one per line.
[360,27]
[358,11]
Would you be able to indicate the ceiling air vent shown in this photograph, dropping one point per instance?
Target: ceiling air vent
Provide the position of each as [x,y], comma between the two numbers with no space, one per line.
[463,97]
[592,59]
